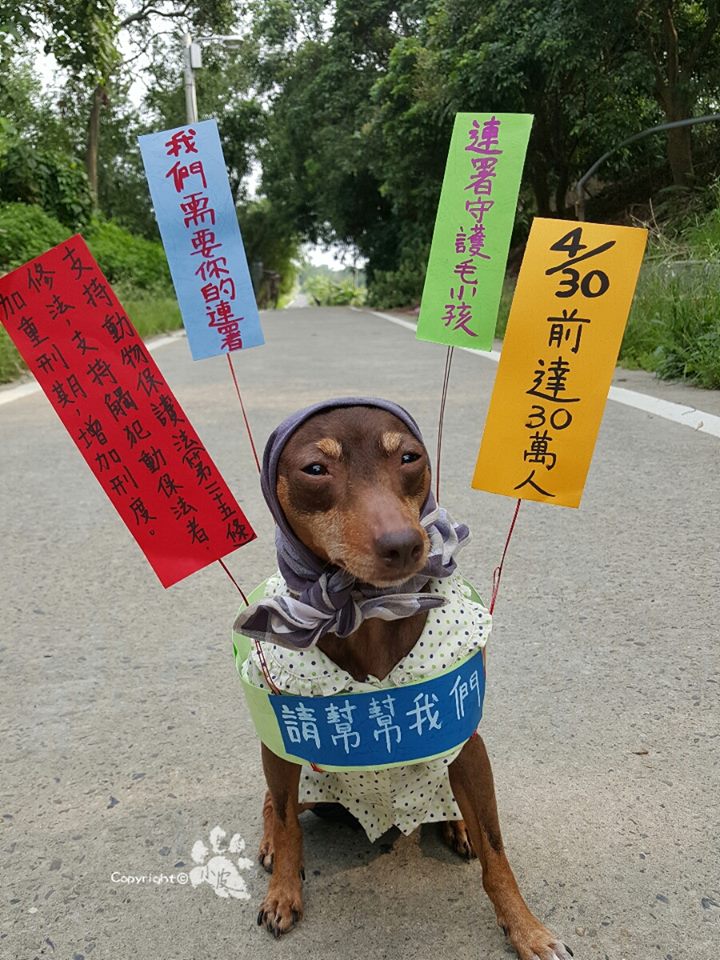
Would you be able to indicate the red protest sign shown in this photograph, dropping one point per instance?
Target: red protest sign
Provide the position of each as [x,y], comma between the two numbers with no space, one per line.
[72,332]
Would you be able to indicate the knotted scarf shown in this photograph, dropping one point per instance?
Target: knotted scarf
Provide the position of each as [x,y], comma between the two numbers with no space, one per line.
[325,598]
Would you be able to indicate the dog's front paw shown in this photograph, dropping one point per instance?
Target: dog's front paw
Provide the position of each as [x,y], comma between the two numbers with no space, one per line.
[533,941]
[456,836]
[282,908]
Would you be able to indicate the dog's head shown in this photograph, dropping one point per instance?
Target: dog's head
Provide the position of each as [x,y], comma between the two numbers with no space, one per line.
[352,483]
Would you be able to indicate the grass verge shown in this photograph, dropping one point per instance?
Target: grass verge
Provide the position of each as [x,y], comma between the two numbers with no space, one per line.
[674,326]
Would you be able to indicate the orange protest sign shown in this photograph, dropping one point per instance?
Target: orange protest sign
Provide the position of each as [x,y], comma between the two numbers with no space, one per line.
[566,324]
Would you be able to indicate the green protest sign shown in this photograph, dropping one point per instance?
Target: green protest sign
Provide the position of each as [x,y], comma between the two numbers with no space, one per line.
[473,228]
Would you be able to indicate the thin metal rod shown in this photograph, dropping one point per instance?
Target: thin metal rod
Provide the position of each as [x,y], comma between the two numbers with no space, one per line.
[441,419]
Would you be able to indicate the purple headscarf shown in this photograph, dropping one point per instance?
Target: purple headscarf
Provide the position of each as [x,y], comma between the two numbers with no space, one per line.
[325,598]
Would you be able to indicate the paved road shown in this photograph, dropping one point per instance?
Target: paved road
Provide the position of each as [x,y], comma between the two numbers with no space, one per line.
[125,739]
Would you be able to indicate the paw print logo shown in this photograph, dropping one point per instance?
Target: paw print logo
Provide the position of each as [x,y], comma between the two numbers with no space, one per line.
[220,871]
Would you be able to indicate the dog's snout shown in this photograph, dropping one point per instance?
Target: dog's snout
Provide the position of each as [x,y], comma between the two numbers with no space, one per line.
[401,549]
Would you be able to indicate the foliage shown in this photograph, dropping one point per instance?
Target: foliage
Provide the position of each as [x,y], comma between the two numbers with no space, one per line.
[272,254]
[37,158]
[46,177]
[151,311]
[83,37]
[402,286]
[11,363]
[125,257]
[26,232]
[324,184]
[327,292]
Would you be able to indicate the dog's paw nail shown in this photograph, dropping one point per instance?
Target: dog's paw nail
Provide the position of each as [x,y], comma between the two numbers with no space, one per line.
[260,918]
[302,873]
[504,929]
[568,950]
[295,916]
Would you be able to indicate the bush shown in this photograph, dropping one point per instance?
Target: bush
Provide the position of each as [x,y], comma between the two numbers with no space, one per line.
[401,287]
[44,177]
[136,268]
[26,232]
[127,258]
[333,293]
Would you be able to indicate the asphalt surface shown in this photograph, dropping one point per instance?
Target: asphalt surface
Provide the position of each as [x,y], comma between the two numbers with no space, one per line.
[125,739]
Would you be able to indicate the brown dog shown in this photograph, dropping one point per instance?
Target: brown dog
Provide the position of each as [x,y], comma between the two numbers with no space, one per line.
[352,482]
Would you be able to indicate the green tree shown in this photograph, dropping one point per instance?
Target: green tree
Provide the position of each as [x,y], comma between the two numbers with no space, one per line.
[84,36]
[320,63]
[680,42]
[271,251]
[38,164]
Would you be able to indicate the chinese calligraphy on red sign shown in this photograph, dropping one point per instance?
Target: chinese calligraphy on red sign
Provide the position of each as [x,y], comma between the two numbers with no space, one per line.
[97,373]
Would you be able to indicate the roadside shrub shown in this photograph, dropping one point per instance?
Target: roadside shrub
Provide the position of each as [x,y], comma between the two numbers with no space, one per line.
[401,287]
[26,232]
[127,258]
[333,293]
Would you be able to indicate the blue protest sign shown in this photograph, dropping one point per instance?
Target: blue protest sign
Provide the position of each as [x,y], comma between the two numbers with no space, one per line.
[198,224]
[392,725]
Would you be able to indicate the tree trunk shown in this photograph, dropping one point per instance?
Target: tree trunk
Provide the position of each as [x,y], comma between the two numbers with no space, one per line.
[538,179]
[676,101]
[679,154]
[561,190]
[93,141]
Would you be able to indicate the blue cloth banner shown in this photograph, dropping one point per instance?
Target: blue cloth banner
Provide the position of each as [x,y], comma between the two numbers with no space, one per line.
[391,725]
[188,181]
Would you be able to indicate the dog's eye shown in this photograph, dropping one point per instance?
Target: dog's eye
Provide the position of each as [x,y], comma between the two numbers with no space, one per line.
[410,457]
[314,470]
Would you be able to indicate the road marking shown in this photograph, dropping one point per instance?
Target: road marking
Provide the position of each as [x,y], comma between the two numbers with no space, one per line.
[27,389]
[697,420]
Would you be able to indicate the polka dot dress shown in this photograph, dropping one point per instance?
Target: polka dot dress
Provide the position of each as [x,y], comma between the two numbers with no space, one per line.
[403,796]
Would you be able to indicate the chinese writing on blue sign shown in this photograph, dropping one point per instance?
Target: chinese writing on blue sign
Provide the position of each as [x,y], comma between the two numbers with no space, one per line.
[198,223]
[394,725]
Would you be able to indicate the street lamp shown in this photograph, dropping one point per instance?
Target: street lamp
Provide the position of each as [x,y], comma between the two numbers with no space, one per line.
[193,61]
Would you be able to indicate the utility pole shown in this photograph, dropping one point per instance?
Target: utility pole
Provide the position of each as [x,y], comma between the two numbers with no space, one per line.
[193,60]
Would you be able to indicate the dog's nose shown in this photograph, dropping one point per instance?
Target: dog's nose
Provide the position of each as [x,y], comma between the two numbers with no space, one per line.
[400,550]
